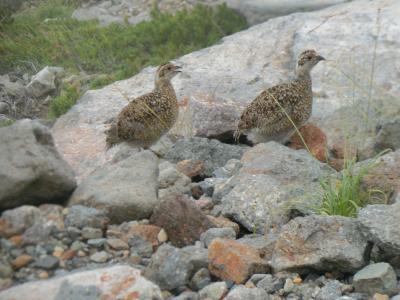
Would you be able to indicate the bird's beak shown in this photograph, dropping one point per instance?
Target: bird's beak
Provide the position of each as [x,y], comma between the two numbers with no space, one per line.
[319,57]
[178,69]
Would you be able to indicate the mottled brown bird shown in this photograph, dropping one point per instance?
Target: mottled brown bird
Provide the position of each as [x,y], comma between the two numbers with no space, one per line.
[147,118]
[266,118]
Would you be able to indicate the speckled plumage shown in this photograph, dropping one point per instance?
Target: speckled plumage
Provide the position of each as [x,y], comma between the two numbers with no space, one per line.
[264,119]
[147,118]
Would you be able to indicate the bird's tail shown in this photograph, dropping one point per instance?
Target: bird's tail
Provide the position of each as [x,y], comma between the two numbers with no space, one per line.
[112,136]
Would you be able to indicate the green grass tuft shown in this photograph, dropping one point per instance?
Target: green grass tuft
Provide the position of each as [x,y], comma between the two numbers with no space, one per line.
[345,196]
[118,51]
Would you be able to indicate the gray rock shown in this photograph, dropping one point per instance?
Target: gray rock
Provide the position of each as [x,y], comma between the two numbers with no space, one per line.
[16,221]
[397,297]
[126,190]
[200,279]
[238,74]
[325,243]
[44,82]
[6,270]
[378,224]
[13,89]
[241,292]
[47,262]
[331,291]
[140,246]
[97,243]
[31,169]
[256,278]
[100,257]
[91,233]
[388,135]
[271,284]
[117,244]
[187,295]
[213,153]
[171,182]
[376,278]
[207,237]
[273,182]
[231,167]
[183,263]
[214,291]
[81,216]
[88,285]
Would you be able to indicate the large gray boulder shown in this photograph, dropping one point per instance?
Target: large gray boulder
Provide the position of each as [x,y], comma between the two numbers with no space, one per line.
[273,181]
[116,282]
[380,225]
[322,243]
[31,169]
[44,82]
[126,190]
[237,69]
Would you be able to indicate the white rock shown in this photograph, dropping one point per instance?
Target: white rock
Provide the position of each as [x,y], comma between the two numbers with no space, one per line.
[117,282]
[44,82]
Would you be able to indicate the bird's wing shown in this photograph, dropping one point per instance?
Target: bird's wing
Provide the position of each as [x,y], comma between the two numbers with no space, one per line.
[269,106]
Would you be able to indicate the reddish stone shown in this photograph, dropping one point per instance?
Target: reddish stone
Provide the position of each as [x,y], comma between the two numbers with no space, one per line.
[196,191]
[67,255]
[315,139]
[231,260]
[191,168]
[147,232]
[16,240]
[182,220]
[21,261]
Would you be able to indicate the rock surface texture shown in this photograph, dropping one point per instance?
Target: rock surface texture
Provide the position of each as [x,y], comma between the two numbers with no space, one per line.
[31,169]
[126,190]
[117,282]
[246,70]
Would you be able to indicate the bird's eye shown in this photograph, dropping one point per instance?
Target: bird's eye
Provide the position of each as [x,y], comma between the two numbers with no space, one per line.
[309,57]
[169,68]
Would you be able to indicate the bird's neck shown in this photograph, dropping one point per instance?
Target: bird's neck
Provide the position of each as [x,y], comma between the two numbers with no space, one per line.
[165,87]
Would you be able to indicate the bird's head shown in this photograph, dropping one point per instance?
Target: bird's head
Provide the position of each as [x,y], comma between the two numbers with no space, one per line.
[167,71]
[307,60]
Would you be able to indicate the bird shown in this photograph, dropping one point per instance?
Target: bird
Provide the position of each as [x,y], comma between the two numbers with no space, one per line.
[148,117]
[274,112]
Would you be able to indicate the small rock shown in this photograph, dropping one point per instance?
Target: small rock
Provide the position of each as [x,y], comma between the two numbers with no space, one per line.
[48,262]
[241,292]
[21,261]
[200,279]
[99,257]
[378,296]
[376,278]
[140,246]
[231,167]
[90,233]
[117,244]
[67,255]
[214,291]
[43,275]
[16,221]
[97,243]
[187,295]
[5,283]
[162,236]
[79,216]
[182,263]
[331,291]
[222,222]
[288,286]
[5,270]
[207,237]
[171,182]
[182,220]
[191,168]
[44,81]
[270,284]
[230,260]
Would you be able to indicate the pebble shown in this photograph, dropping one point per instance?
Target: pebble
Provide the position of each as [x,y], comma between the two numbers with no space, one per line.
[5,270]
[162,236]
[58,252]
[91,233]
[43,275]
[117,244]
[21,261]
[99,257]
[48,262]
[97,243]
[289,285]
